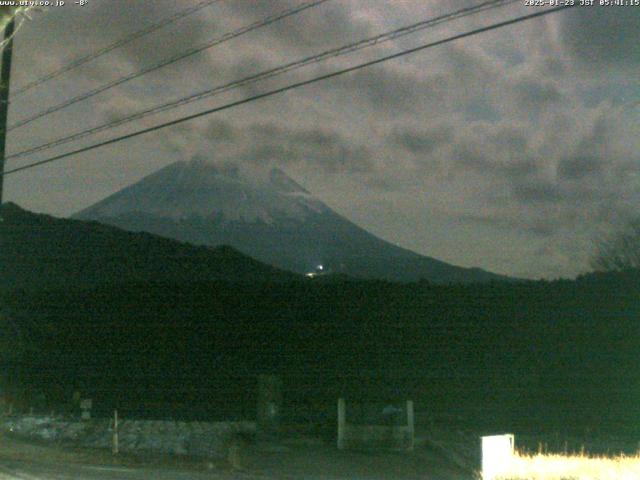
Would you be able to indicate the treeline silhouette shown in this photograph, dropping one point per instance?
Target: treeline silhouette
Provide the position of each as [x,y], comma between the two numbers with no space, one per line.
[499,355]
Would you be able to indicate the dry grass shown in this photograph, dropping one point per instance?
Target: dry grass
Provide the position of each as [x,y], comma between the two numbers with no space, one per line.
[572,467]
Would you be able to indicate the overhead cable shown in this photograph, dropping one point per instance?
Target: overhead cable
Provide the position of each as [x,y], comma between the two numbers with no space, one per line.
[180,56]
[120,43]
[292,86]
[249,80]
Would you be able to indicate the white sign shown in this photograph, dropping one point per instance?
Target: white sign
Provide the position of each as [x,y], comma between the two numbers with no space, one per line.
[497,455]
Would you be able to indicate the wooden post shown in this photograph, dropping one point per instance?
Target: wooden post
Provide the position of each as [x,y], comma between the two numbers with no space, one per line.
[410,423]
[342,422]
[115,433]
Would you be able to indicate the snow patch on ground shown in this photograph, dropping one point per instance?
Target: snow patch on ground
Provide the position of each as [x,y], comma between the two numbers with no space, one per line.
[207,439]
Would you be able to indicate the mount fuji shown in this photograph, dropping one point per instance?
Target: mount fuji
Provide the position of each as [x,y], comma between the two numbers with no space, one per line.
[270,218]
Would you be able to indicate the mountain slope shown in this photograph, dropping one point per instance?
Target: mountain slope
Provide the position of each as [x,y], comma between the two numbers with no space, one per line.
[42,251]
[272,219]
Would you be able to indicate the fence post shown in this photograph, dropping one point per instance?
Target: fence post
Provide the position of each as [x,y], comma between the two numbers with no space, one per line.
[116,448]
[342,422]
[410,423]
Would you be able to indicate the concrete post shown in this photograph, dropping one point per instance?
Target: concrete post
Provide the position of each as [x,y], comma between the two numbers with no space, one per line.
[342,422]
[269,403]
[115,445]
[410,423]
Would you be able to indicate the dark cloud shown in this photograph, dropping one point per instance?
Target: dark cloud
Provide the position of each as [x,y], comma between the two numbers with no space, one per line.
[60,35]
[537,227]
[323,149]
[421,142]
[603,36]
[277,154]
[316,138]
[390,90]
[508,168]
[321,25]
[211,139]
[542,229]
[501,153]
[578,166]
[536,94]
[537,192]
[553,67]
[591,153]
[246,67]
[121,17]
[468,155]
[381,183]
[102,23]
[514,140]
[219,130]
[520,166]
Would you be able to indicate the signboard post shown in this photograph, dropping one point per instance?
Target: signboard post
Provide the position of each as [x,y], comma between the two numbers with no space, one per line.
[85,405]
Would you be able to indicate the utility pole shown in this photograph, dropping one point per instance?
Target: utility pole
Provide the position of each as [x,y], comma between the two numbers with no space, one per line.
[5,77]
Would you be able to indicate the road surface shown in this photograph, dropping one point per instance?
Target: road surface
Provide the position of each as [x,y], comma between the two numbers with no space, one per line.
[23,460]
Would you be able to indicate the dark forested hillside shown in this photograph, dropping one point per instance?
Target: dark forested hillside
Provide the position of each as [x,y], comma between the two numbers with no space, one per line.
[159,328]
[39,251]
[560,354]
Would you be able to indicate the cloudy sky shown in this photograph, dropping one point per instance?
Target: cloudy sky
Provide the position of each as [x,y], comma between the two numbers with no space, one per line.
[511,151]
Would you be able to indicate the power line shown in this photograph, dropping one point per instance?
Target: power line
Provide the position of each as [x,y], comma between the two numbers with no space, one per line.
[120,43]
[192,51]
[336,52]
[291,87]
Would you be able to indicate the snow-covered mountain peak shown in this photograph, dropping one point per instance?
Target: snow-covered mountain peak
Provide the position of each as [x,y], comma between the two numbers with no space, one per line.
[283,183]
[198,188]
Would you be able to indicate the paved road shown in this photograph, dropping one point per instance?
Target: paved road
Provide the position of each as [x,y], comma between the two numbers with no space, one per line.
[21,470]
[34,470]
[22,460]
